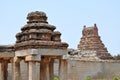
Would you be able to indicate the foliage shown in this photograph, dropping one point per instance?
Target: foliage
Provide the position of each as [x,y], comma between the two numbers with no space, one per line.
[116,78]
[88,78]
[56,78]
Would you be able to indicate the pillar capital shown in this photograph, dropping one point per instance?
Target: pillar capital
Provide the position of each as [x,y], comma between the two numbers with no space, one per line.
[64,57]
[33,58]
[6,58]
[16,59]
[45,59]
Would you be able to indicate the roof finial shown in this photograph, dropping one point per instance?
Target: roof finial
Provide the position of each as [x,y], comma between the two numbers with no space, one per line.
[95,25]
[38,16]
[84,26]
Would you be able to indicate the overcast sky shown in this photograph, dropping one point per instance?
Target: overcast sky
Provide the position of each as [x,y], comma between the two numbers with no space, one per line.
[69,16]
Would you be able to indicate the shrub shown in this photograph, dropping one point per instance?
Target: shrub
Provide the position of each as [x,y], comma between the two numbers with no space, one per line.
[88,78]
[56,78]
[116,78]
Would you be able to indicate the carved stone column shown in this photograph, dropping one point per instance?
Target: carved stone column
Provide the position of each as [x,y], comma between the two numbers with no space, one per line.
[63,70]
[32,70]
[44,69]
[27,70]
[47,71]
[32,67]
[38,70]
[16,69]
[0,72]
[51,69]
[4,72]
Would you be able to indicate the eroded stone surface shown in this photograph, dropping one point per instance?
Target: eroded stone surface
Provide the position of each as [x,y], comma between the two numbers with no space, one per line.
[37,33]
[91,41]
[38,45]
[6,48]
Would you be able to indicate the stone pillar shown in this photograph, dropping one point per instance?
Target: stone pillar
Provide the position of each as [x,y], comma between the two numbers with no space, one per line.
[63,70]
[4,72]
[0,72]
[32,71]
[27,70]
[38,70]
[47,71]
[32,67]
[51,70]
[44,70]
[16,69]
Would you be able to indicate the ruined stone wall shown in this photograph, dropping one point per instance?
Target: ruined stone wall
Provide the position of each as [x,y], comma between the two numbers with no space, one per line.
[80,70]
[97,70]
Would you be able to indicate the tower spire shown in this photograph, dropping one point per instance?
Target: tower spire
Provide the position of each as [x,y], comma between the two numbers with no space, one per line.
[91,41]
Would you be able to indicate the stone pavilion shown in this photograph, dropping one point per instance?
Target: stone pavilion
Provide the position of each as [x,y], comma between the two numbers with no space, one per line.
[37,43]
[40,54]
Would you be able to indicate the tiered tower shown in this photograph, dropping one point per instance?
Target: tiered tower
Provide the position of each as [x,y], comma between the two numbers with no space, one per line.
[91,41]
[37,33]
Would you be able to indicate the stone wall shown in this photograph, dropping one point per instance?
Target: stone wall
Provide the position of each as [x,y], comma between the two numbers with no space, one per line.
[81,69]
[97,70]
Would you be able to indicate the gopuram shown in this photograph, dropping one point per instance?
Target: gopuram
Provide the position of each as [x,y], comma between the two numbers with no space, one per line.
[36,43]
[91,41]
[40,54]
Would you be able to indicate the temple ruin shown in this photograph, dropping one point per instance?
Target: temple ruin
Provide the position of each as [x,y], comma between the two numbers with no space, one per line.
[39,54]
[91,41]
[36,43]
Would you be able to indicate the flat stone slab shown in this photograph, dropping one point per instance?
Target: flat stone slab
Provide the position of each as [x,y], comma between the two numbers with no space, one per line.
[56,52]
[7,54]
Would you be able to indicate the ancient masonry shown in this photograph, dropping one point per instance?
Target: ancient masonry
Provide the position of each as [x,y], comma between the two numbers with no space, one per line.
[91,41]
[38,45]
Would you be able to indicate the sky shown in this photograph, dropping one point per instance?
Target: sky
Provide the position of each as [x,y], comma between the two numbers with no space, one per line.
[69,17]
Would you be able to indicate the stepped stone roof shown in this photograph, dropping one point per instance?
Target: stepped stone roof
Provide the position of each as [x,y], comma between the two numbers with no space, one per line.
[6,48]
[38,33]
[91,41]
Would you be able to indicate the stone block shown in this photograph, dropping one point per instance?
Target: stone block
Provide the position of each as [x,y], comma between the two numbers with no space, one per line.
[33,58]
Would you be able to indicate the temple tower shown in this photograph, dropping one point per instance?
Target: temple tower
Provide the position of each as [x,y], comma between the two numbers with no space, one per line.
[91,41]
[38,34]
[39,43]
